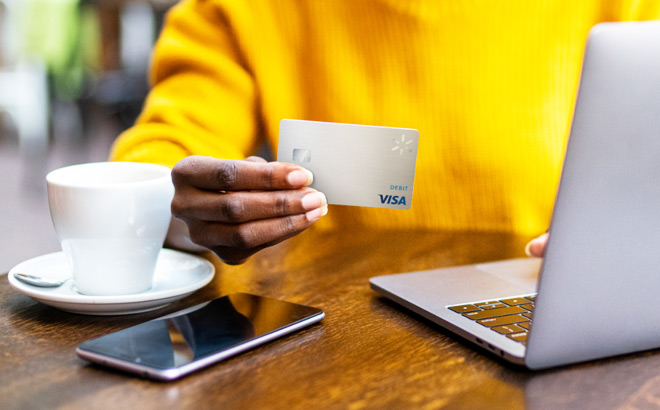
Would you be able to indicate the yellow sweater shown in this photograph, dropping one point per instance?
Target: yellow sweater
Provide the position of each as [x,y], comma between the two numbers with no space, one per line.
[490,85]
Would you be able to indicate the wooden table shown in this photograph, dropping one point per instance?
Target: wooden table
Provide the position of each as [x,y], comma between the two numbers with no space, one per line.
[367,353]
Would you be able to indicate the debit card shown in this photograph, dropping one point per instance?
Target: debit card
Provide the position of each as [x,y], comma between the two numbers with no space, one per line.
[357,165]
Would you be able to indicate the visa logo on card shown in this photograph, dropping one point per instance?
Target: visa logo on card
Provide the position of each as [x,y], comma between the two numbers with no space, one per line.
[358,165]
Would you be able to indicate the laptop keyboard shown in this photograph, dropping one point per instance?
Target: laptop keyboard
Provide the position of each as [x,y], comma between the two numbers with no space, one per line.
[510,317]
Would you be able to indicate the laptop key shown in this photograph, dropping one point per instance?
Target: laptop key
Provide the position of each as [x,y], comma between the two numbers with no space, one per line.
[483,314]
[464,308]
[515,301]
[490,305]
[502,320]
[528,306]
[518,337]
[508,329]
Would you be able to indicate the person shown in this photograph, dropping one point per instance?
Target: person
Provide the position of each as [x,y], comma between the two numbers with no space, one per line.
[489,86]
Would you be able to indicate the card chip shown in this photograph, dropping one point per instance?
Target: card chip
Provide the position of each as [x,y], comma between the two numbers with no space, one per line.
[302,155]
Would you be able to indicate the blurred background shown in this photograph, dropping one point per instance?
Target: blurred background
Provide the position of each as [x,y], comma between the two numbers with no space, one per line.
[73,75]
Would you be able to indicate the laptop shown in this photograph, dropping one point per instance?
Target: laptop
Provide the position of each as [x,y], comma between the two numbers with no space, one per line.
[596,293]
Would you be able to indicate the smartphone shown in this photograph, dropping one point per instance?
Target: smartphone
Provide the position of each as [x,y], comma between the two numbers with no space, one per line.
[172,346]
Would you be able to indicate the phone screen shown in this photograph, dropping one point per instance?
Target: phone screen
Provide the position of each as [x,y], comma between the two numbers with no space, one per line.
[177,344]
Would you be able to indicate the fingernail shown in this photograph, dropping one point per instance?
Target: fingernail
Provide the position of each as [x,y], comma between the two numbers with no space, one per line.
[316,214]
[302,177]
[534,243]
[536,247]
[314,200]
[310,176]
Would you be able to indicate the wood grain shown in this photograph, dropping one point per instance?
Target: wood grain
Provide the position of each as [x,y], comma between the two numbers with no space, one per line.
[367,353]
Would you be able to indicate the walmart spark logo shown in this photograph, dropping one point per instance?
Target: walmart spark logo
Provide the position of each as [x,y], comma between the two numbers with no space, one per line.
[402,144]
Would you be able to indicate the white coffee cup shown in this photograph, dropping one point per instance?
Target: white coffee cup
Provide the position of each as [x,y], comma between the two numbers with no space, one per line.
[111,219]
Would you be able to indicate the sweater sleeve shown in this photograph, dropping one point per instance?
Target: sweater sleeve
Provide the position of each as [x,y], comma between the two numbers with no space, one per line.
[203,97]
[632,10]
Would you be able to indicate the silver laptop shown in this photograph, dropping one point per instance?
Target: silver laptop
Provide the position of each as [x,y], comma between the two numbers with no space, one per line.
[597,291]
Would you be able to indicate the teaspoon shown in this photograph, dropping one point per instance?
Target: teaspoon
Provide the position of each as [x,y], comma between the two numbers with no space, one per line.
[39,281]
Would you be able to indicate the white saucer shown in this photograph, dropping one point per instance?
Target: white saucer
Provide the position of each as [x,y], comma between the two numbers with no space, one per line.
[178,274]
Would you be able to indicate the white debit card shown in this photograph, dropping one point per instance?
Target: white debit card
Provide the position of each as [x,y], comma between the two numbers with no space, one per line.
[359,165]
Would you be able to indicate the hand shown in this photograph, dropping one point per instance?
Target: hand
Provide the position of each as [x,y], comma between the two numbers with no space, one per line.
[536,247]
[236,208]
